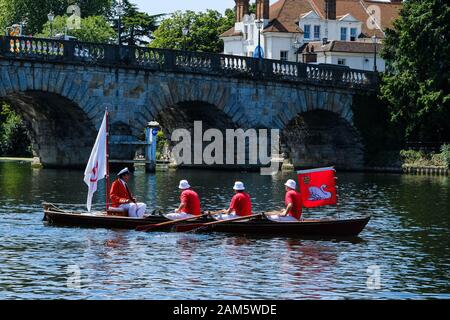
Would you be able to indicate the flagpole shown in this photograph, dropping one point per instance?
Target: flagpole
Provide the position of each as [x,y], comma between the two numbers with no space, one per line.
[107,160]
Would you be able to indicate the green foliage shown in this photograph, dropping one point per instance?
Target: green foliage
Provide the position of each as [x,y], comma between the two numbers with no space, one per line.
[204,31]
[445,152]
[136,27]
[420,158]
[14,140]
[93,29]
[417,79]
[34,12]
[161,145]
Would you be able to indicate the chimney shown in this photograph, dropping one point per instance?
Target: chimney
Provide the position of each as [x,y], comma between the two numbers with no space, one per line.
[330,9]
[242,8]
[262,9]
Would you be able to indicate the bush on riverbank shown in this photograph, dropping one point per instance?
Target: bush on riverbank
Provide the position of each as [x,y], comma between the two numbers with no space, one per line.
[14,139]
[423,159]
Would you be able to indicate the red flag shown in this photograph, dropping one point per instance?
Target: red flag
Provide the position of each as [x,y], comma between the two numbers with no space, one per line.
[318,187]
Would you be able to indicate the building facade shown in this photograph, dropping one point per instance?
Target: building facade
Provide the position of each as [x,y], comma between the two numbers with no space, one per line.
[288,26]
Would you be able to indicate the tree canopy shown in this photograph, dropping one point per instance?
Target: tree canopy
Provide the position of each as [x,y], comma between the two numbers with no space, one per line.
[93,29]
[416,83]
[204,30]
[34,13]
[136,27]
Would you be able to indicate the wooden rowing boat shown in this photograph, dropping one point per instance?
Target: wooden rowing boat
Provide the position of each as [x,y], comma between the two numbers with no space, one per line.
[114,220]
[308,227]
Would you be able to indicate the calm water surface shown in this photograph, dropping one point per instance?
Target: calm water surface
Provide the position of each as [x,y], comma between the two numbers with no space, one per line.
[408,239]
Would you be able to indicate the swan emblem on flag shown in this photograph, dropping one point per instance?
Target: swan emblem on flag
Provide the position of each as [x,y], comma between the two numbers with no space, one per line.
[316,194]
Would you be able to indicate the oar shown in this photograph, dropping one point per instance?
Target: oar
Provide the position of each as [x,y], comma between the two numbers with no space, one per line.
[196,226]
[149,227]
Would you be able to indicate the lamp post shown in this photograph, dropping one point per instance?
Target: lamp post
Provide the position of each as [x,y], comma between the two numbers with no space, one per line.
[185,32]
[374,39]
[51,17]
[259,24]
[297,44]
[120,12]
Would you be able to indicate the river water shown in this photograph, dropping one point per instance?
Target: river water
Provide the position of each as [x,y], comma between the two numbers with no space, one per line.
[406,243]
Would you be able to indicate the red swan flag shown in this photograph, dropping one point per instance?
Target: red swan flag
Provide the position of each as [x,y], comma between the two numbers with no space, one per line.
[318,187]
[96,168]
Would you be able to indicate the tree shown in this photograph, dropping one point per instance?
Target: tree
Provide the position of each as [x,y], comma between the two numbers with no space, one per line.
[14,139]
[93,29]
[204,31]
[416,83]
[136,27]
[34,13]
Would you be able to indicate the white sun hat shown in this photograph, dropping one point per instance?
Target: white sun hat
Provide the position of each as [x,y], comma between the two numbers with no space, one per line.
[239,186]
[124,171]
[184,184]
[291,184]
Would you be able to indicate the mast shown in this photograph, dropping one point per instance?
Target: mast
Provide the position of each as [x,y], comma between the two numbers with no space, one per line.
[107,160]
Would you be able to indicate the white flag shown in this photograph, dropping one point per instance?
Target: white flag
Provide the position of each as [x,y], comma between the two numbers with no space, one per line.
[96,167]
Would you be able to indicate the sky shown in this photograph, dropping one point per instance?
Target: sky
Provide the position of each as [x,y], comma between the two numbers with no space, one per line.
[169,6]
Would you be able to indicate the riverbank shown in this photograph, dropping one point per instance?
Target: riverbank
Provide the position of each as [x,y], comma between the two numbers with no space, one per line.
[14,159]
[405,169]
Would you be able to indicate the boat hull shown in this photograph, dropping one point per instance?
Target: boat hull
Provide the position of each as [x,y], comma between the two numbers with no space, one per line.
[98,220]
[322,228]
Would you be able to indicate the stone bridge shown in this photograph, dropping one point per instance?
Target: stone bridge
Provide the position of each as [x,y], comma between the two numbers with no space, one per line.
[62,88]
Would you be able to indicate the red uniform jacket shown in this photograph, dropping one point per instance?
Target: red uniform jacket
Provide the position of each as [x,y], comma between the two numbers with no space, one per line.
[119,194]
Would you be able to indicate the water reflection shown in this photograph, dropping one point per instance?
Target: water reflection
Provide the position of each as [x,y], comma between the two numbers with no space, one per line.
[407,238]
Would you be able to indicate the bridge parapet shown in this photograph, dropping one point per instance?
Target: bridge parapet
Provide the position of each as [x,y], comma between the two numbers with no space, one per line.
[75,52]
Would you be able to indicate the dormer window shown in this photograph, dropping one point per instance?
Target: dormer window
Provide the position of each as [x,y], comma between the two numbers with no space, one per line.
[316,32]
[353,35]
[344,34]
[307,31]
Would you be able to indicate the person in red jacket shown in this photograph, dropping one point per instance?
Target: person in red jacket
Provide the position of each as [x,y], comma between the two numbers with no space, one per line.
[293,203]
[241,204]
[121,196]
[189,203]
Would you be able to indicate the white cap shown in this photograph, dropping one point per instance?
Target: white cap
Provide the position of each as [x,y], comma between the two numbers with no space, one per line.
[291,184]
[239,186]
[123,171]
[184,184]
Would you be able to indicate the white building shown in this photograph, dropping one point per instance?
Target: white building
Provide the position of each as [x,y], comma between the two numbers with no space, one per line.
[289,25]
[357,55]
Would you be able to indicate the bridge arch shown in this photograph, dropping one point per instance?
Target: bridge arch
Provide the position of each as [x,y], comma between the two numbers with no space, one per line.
[62,119]
[319,138]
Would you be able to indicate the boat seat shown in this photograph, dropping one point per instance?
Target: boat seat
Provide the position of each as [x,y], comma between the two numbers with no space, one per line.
[117,212]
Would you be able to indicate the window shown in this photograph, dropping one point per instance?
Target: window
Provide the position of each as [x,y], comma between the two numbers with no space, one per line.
[246,32]
[344,34]
[284,55]
[307,31]
[341,61]
[316,32]
[353,34]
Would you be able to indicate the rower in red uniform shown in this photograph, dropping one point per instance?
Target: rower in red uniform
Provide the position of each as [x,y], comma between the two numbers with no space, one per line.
[241,204]
[293,202]
[189,203]
[121,196]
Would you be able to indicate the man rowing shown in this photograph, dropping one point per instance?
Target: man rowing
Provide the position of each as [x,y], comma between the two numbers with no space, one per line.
[241,204]
[121,196]
[293,203]
[189,203]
